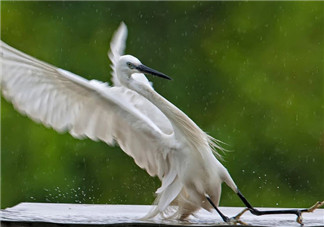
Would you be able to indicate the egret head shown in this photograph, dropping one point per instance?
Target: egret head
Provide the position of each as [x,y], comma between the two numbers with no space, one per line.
[127,65]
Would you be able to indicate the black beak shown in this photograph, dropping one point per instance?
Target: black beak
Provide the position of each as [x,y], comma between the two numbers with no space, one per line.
[147,70]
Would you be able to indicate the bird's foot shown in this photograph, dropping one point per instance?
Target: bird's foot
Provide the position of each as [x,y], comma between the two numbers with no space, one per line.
[236,219]
[309,210]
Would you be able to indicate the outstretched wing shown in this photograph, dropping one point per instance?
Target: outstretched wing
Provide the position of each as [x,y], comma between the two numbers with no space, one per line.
[117,49]
[67,102]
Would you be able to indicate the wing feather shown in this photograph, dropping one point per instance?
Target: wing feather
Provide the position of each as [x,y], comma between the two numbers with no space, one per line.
[117,49]
[67,102]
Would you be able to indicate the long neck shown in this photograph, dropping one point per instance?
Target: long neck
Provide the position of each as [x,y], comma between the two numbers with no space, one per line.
[183,126]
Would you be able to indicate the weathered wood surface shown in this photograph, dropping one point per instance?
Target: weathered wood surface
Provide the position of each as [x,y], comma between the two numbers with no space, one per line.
[54,214]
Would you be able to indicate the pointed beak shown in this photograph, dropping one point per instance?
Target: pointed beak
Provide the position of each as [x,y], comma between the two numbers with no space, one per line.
[147,70]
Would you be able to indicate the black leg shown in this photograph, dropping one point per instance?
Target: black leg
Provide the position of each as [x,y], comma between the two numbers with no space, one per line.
[225,218]
[297,212]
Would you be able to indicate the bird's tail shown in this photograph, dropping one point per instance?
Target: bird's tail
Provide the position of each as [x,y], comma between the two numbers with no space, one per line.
[164,199]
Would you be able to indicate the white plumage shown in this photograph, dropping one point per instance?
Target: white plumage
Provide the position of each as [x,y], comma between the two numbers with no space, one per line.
[157,135]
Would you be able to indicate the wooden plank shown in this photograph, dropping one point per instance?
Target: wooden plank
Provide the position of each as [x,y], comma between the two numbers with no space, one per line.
[55,214]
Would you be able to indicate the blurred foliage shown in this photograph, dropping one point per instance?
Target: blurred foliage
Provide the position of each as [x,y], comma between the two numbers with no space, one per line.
[248,73]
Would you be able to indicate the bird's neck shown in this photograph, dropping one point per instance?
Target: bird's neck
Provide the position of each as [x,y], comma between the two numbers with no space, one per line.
[183,126]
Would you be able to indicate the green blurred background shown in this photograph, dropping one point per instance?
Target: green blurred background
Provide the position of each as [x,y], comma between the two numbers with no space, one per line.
[248,73]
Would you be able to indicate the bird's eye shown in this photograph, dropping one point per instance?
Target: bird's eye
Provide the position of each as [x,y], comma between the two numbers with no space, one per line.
[130,65]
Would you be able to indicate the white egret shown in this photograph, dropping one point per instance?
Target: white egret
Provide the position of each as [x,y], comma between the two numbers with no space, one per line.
[156,134]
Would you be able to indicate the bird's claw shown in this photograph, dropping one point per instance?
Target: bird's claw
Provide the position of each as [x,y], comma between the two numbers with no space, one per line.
[300,219]
[236,219]
[309,210]
[314,207]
